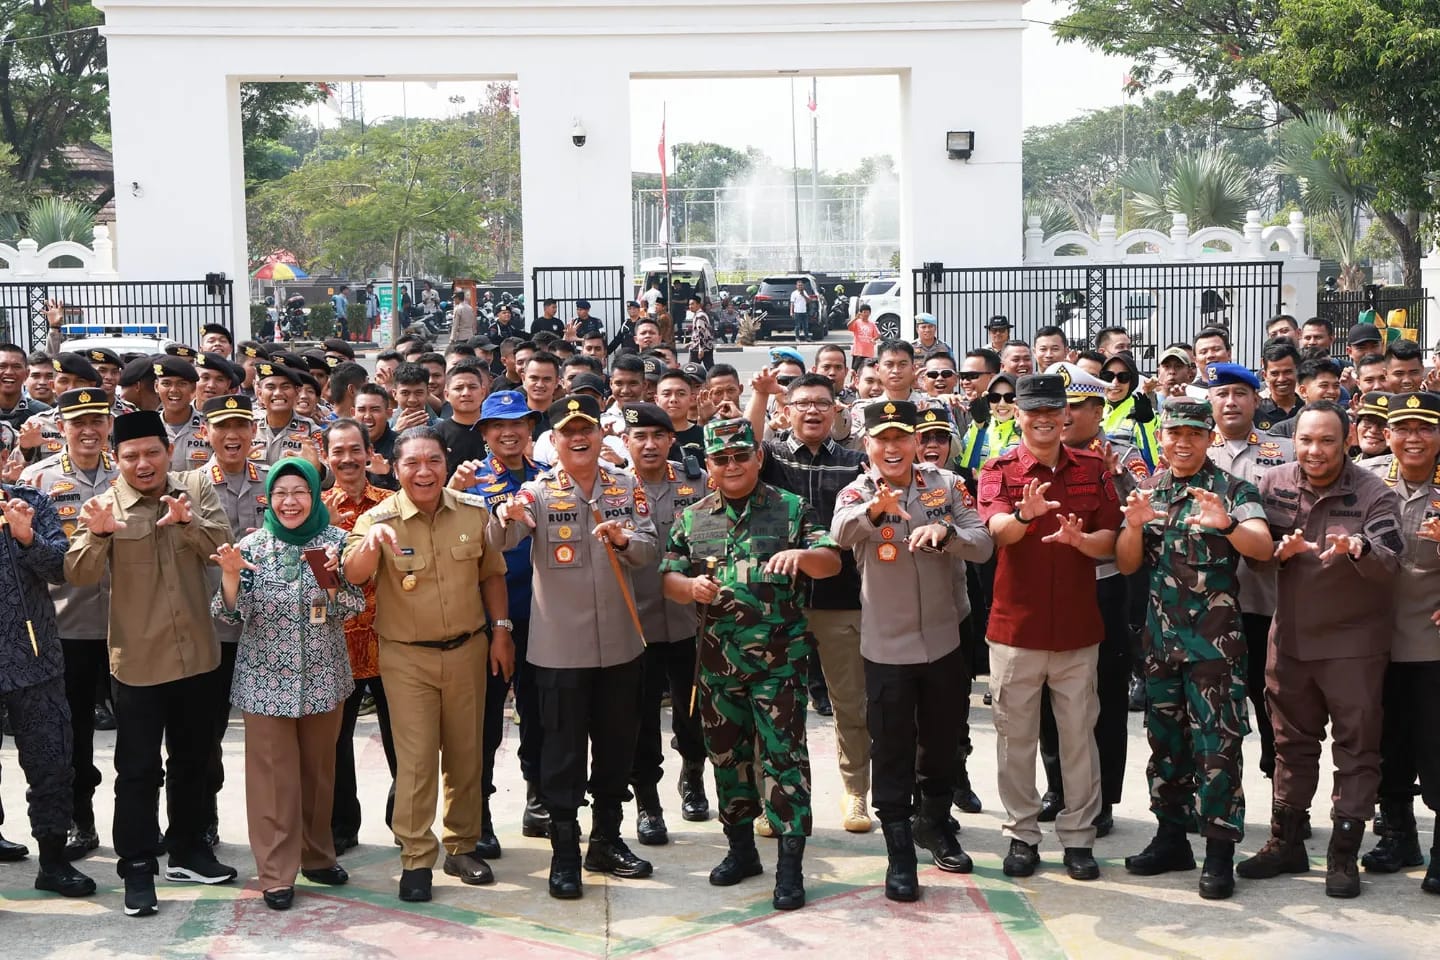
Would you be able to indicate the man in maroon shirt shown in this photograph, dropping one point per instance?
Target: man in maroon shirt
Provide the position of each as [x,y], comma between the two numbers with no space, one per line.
[1052,511]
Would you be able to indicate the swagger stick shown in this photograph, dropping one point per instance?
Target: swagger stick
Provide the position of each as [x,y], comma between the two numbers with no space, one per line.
[710,564]
[620,578]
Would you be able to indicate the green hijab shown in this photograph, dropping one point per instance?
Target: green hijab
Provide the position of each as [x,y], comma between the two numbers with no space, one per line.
[319,517]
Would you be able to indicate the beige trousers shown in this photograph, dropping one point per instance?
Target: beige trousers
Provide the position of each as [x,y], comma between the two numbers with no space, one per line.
[837,634]
[289,791]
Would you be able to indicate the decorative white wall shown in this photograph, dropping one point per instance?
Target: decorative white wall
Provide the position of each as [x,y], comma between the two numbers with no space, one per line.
[28,261]
[176,67]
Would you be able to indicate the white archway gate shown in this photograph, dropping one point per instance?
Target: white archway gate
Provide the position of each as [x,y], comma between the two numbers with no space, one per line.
[176,67]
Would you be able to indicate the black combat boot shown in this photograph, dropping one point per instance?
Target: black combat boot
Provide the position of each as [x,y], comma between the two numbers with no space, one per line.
[1342,876]
[1217,877]
[741,861]
[1399,845]
[650,827]
[607,852]
[790,875]
[1170,850]
[1284,852]
[1431,883]
[488,846]
[536,821]
[565,859]
[933,831]
[56,874]
[901,883]
[83,838]
[694,805]
[965,798]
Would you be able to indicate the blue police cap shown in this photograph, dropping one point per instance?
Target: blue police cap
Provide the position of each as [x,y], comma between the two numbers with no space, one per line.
[1224,374]
[506,405]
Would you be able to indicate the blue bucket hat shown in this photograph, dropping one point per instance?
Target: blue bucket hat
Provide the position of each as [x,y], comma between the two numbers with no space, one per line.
[506,405]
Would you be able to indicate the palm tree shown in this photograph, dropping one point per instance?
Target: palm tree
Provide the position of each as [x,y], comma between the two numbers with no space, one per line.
[1315,151]
[49,220]
[1054,217]
[1210,187]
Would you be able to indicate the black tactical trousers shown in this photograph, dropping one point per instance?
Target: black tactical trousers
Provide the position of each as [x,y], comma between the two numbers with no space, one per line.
[86,663]
[345,816]
[1257,645]
[912,711]
[591,718]
[669,665]
[1410,733]
[526,701]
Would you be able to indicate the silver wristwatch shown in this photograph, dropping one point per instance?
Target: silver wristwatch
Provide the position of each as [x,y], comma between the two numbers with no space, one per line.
[504,625]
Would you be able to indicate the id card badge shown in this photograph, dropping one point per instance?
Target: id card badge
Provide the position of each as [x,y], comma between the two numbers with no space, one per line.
[319,607]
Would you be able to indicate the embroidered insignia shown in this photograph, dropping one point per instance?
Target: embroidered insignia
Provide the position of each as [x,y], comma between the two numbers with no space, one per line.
[564,553]
[684,491]
[64,486]
[614,491]
[67,511]
[642,503]
[495,487]
[564,533]
[887,533]
[231,404]
[887,552]
[69,529]
[933,498]
[562,504]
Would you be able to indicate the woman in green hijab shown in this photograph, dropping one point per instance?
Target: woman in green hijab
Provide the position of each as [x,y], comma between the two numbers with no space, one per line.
[292,675]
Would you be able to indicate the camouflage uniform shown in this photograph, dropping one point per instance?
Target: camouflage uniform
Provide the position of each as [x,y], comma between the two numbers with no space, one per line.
[1195,655]
[752,656]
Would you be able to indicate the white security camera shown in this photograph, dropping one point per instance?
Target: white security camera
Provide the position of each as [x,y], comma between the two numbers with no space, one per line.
[577,135]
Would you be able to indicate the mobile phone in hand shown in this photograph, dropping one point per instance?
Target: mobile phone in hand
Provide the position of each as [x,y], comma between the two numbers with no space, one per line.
[326,579]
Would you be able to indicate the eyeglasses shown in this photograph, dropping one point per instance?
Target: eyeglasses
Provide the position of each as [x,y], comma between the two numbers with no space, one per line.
[939,374]
[1000,397]
[933,437]
[1112,376]
[969,375]
[818,405]
[738,457]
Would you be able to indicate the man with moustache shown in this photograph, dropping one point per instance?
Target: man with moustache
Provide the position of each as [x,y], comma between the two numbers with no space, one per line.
[908,525]
[154,532]
[83,469]
[1336,528]
[669,487]
[1189,526]
[1410,730]
[1052,512]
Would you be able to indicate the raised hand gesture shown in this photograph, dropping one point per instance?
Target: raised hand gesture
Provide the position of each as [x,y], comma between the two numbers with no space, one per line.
[19,517]
[1430,529]
[514,510]
[1211,513]
[1293,544]
[1071,531]
[1139,510]
[30,434]
[612,532]
[378,464]
[887,500]
[230,560]
[98,517]
[928,537]
[1342,544]
[177,510]
[464,477]
[54,313]
[1033,503]
[766,382]
[378,534]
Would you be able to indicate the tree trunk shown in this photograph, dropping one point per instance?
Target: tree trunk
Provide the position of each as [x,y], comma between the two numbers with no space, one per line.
[1405,228]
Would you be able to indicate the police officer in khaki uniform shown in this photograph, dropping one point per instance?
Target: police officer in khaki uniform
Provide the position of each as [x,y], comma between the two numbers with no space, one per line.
[589,528]
[280,431]
[669,630]
[907,523]
[426,548]
[175,380]
[42,435]
[82,614]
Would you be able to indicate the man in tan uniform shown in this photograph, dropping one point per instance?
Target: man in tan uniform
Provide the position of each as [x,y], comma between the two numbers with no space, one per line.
[425,548]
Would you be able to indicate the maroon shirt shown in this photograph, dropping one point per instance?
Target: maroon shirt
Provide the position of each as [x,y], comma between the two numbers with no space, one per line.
[1044,597]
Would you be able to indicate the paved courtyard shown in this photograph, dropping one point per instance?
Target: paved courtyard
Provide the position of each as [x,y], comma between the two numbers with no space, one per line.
[676,914]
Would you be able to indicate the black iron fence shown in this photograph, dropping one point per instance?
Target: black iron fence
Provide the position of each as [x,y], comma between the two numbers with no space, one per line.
[1157,304]
[167,309]
[604,287]
[1342,308]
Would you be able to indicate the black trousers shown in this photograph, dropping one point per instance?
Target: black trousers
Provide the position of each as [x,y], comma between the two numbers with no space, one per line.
[40,721]
[667,665]
[180,715]
[980,585]
[87,663]
[911,712]
[527,701]
[1112,684]
[345,813]
[220,720]
[1257,643]
[1410,733]
[594,706]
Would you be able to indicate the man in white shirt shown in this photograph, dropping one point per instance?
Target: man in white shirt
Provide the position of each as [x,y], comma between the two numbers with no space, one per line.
[800,311]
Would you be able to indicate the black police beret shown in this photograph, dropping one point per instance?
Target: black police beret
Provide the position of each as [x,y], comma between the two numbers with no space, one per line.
[647,415]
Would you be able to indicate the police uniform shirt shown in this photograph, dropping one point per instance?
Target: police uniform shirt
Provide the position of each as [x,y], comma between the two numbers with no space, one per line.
[52,440]
[22,411]
[272,445]
[190,443]
[81,613]
[578,616]
[1133,471]
[910,611]
[494,483]
[243,497]
[1249,458]
[665,620]
[1417,586]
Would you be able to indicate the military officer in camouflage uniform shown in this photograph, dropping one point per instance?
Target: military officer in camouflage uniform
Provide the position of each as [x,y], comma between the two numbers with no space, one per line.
[752,653]
[669,630]
[1189,526]
[909,526]
[590,528]
[279,430]
[1243,450]
[82,614]
[175,380]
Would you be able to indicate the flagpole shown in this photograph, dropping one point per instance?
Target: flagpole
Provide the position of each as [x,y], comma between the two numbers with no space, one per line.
[795,178]
[814,157]
[665,204]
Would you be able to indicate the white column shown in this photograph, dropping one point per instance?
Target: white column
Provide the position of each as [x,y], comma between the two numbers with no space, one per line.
[179,168]
[1430,280]
[576,199]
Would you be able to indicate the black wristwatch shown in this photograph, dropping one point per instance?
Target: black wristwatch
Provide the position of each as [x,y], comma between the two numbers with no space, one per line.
[1229,528]
[1023,522]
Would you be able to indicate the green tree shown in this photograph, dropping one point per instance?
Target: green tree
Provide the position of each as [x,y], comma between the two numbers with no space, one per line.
[1317,151]
[267,115]
[1210,187]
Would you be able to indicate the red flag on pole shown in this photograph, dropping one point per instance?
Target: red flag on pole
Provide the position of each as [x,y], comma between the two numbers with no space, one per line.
[810,101]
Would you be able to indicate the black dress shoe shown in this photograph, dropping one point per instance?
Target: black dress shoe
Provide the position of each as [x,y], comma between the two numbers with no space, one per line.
[823,706]
[415,885]
[1104,821]
[65,880]
[472,870]
[967,801]
[1137,695]
[80,842]
[280,898]
[332,876]
[104,719]
[1022,859]
[11,852]
[1080,864]
[488,846]
[1050,806]
[536,820]
[988,699]
[650,827]
[345,841]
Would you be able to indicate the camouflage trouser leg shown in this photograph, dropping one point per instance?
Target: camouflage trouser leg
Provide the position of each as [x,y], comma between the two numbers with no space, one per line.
[1196,723]
[768,713]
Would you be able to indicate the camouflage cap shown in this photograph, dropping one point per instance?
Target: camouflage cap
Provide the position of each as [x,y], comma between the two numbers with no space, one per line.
[1187,413]
[722,435]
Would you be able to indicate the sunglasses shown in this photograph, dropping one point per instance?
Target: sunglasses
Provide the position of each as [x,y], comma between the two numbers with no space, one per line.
[1111,376]
[969,375]
[1000,397]
[939,374]
[933,437]
[725,459]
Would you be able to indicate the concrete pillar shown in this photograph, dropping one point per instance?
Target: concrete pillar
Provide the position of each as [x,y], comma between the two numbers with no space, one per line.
[1430,280]
[576,199]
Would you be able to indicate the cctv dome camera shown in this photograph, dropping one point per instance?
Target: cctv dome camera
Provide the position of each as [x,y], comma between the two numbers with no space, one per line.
[577,135]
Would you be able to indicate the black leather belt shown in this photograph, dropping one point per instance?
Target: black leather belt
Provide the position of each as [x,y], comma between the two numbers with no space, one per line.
[450,644]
